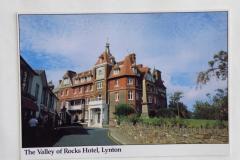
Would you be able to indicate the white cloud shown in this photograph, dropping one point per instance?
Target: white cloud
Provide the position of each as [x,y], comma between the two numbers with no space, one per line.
[184,49]
[192,93]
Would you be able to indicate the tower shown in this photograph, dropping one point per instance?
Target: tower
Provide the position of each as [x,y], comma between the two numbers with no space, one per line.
[102,70]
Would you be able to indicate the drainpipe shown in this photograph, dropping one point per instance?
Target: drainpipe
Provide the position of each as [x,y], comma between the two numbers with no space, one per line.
[89,118]
[84,110]
[101,116]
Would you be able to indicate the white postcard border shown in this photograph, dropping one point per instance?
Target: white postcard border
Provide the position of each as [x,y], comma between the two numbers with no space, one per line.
[10,148]
[125,151]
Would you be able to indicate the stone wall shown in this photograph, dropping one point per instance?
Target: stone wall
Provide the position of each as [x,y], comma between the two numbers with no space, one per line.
[145,134]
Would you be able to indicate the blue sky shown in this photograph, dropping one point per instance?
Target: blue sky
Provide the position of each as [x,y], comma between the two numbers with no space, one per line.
[178,44]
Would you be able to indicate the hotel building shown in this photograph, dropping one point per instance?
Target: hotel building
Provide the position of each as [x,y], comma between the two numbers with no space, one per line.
[90,97]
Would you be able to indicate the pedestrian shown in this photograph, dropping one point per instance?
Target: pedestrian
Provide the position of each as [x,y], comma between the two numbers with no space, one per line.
[57,119]
[33,123]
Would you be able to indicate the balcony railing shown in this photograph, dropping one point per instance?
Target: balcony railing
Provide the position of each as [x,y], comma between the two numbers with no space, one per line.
[96,102]
[75,107]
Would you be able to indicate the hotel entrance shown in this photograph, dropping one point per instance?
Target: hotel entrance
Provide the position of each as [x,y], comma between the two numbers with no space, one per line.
[95,117]
[97,114]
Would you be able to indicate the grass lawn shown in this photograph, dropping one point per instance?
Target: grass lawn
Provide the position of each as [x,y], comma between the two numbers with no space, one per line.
[189,123]
[196,123]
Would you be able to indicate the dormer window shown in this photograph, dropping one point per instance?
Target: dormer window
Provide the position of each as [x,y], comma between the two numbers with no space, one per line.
[130,80]
[82,80]
[134,70]
[116,71]
[76,81]
[89,79]
[66,81]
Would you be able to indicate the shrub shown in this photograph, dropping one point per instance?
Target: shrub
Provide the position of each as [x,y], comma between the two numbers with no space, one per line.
[220,124]
[167,122]
[178,122]
[122,119]
[134,118]
[207,125]
[124,110]
[152,121]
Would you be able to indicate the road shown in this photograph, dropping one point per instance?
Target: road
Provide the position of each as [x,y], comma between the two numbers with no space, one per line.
[77,136]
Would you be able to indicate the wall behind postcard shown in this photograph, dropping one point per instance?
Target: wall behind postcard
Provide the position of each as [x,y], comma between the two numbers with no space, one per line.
[9,95]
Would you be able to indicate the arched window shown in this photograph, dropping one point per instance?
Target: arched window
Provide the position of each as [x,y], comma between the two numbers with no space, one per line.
[116,71]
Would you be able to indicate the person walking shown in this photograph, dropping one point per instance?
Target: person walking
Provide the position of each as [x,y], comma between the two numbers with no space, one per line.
[33,123]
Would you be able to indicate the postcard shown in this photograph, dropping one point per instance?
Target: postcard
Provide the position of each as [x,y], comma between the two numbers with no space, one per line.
[123,84]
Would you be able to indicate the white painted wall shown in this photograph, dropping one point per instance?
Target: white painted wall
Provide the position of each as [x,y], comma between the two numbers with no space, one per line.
[37,80]
[105,114]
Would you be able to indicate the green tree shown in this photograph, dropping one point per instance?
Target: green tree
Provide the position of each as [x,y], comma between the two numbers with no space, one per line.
[215,108]
[176,107]
[175,98]
[204,110]
[220,100]
[218,67]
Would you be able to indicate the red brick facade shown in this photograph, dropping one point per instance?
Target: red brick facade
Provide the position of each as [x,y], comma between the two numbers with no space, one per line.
[113,83]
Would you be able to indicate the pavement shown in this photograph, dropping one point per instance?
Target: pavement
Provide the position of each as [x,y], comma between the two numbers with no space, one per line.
[78,136]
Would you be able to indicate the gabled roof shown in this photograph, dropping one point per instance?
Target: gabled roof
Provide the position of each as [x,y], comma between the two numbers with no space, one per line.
[69,74]
[106,56]
[84,74]
[24,64]
[125,67]
[144,69]
[43,76]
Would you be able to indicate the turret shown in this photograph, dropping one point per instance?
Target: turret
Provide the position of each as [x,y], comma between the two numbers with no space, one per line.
[157,74]
[106,56]
[107,48]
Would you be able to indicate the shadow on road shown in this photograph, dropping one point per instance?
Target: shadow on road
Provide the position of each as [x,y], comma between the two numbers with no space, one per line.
[47,138]
[69,130]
